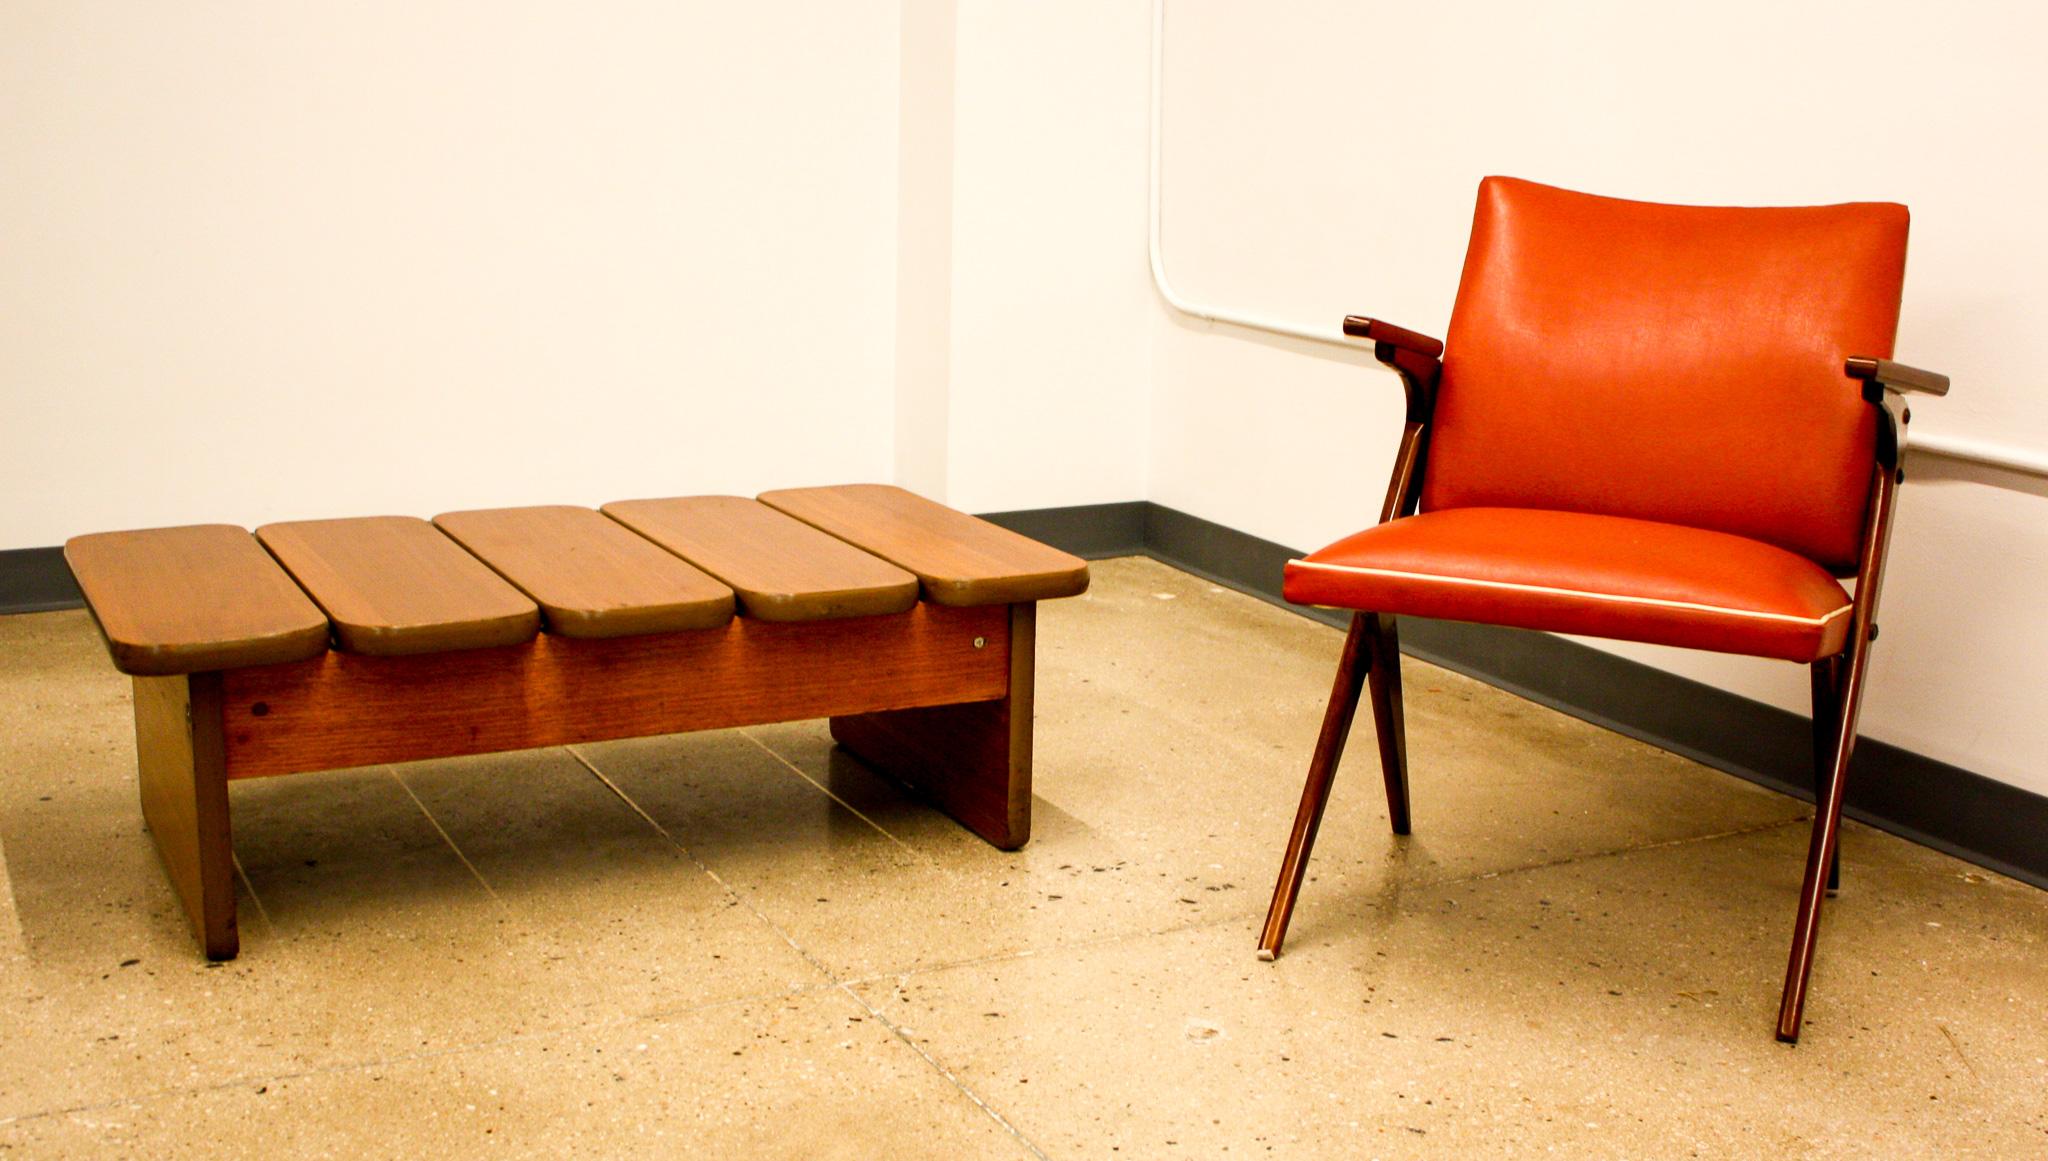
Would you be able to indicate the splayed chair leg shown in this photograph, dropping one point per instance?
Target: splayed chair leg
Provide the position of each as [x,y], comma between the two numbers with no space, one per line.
[1821,854]
[1385,644]
[1352,667]
[1850,670]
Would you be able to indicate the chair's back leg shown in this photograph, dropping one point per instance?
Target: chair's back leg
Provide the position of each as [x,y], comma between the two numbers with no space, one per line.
[1827,814]
[1827,708]
[1352,665]
[1386,713]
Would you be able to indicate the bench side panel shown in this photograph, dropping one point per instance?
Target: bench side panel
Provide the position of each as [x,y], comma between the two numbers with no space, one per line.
[346,710]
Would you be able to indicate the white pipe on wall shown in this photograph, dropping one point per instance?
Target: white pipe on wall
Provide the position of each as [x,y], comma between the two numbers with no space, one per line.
[1995,455]
[1978,451]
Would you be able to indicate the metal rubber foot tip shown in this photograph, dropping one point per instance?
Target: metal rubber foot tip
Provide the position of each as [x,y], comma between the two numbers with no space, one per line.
[1266,955]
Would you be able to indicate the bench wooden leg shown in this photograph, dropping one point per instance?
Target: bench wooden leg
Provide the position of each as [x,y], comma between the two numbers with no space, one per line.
[973,759]
[181,759]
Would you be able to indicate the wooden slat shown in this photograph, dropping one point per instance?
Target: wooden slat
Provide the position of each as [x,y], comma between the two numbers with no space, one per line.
[961,560]
[342,710]
[782,568]
[395,585]
[187,600]
[590,576]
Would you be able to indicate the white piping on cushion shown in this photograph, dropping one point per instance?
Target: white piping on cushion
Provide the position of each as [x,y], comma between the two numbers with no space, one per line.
[1614,597]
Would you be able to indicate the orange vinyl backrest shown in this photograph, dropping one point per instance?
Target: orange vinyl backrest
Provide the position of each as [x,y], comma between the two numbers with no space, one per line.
[1671,363]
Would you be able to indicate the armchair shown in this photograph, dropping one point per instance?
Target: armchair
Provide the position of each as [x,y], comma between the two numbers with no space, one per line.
[1639,428]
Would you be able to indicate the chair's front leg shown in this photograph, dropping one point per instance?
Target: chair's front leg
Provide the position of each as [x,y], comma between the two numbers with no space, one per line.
[1827,814]
[1352,666]
[1371,647]
[1822,851]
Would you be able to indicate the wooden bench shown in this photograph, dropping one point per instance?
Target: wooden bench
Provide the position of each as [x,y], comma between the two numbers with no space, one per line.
[334,643]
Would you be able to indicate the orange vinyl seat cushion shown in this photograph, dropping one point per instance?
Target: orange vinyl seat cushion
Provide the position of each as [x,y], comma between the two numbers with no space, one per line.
[1574,572]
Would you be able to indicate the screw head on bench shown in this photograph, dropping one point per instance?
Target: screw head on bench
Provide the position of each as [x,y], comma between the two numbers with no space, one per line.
[979,642]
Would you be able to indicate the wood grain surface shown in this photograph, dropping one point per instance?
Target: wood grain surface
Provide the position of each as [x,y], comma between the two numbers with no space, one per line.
[959,559]
[394,585]
[591,576]
[782,568]
[185,600]
[974,760]
[345,710]
[181,769]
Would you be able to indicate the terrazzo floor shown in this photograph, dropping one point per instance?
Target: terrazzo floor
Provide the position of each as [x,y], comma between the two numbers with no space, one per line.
[743,943]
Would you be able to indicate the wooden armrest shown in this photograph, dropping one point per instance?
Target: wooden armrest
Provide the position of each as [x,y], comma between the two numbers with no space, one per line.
[1416,357]
[1381,331]
[1896,376]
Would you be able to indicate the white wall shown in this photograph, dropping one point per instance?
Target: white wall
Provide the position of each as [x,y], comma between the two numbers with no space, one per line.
[1051,360]
[924,246]
[267,262]
[263,261]
[1321,159]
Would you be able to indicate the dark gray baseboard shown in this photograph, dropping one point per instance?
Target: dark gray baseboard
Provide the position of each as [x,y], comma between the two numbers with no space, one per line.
[36,580]
[1990,823]
[1094,531]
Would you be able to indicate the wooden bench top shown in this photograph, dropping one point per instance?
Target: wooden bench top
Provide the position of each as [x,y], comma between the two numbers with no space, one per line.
[395,585]
[960,559]
[193,599]
[782,569]
[591,576]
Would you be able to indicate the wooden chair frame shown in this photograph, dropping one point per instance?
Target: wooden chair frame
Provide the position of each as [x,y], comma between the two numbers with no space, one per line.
[1372,652]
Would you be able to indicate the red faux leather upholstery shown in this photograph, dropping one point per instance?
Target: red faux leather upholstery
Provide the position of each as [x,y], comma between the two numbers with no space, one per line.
[1644,425]
[1570,572]
[1672,363]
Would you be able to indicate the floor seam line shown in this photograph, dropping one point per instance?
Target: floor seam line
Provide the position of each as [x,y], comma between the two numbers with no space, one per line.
[657,1015]
[1250,915]
[262,912]
[817,965]
[1617,852]
[897,1031]
[12,936]
[827,792]
[731,892]
[1089,944]
[445,836]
